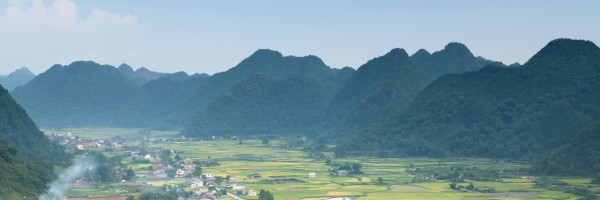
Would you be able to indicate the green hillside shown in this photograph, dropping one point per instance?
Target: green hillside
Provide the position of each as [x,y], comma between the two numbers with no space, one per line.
[383,86]
[18,180]
[498,112]
[581,156]
[262,105]
[27,157]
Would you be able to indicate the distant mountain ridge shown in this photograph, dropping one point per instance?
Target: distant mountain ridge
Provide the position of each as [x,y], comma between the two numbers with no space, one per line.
[455,58]
[79,94]
[143,75]
[269,63]
[17,78]
[89,94]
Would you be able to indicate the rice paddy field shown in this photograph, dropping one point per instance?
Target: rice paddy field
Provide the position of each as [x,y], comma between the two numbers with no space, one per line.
[285,172]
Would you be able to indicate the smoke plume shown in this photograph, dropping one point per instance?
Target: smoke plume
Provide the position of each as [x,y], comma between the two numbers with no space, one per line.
[58,187]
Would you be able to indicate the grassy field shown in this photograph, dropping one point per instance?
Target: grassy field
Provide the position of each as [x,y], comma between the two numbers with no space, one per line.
[284,172]
[107,133]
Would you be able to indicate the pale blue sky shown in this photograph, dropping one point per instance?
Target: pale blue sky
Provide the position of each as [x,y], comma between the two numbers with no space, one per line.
[213,36]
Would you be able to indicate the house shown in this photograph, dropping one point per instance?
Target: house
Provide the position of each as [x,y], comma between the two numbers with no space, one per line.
[342,173]
[238,187]
[189,167]
[86,145]
[208,175]
[255,175]
[180,173]
[249,193]
[312,175]
[148,157]
[158,166]
[233,186]
[196,183]
[233,178]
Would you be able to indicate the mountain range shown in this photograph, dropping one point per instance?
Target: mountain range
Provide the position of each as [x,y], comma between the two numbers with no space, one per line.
[500,112]
[446,103]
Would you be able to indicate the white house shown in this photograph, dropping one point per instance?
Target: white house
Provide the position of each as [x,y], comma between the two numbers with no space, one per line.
[238,187]
[148,157]
[249,193]
[207,175]
[196,184]
[180,173]
[189,167]
[312,175]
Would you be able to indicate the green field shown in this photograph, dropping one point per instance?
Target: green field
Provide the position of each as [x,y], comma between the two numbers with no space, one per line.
[107,133]
[284,172]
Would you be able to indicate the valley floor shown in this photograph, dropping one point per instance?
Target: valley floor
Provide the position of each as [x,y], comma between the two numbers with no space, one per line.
[284,172]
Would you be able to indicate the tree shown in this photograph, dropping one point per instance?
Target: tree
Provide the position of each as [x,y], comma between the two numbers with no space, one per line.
[328,161]
[130,197]
[130,174]
[165,156]
[345,167]
[171,173]
[197,171]
[453,185]
[265,141]
[105,173]
[219,179]
[379,180]
[265,195]
[356,167]
[471,186]
[596,180]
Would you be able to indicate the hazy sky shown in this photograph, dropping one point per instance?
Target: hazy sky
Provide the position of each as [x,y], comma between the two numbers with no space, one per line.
[213,36]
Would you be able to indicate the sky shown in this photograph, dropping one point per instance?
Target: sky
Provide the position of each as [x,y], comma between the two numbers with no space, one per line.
[212,36]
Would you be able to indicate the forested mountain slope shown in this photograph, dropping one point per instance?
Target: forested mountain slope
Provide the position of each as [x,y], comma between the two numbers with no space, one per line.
[262,105]
[27,157]
[381,87]
[498,111]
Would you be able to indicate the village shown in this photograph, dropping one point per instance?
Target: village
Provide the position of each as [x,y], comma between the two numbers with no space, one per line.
[152,166]
[139,163]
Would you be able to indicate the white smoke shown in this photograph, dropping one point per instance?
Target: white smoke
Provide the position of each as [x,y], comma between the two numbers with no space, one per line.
[58,187]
